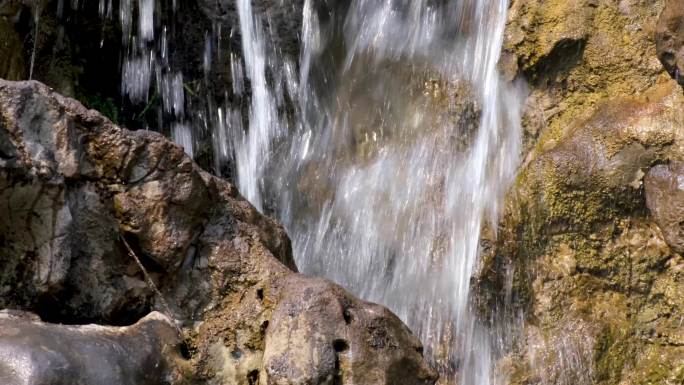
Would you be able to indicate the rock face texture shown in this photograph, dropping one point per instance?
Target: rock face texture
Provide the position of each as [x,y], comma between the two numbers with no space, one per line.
[77,189]
[592,233]
[665,200]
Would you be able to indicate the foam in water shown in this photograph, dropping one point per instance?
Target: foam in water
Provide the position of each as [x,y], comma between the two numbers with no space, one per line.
[379,188]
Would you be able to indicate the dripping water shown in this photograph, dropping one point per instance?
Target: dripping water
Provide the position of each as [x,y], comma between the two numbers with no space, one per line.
[36,22]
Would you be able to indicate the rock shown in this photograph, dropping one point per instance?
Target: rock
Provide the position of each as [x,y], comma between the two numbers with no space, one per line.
[577,251]
[669,37]
[589,265]
[75,186]
[333,355]
[33,352]
[664,185]
[542,33]
[576,54]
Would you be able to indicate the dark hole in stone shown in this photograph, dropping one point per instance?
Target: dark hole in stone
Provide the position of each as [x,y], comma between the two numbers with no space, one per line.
[4,155]
[340,345]
[129,312]
[264,326]
[337,380]
[564,56]
[237,353]
[260,294]
[669,61]
[185,350]
[51,309]
[347,316]
[420,350]
[253,377]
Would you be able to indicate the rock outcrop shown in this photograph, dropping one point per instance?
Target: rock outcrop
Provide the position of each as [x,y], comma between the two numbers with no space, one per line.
[592,228]
[37,353]
[78,191]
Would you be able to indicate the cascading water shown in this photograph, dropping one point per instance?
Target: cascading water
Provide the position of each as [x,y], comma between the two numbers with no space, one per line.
[406,139]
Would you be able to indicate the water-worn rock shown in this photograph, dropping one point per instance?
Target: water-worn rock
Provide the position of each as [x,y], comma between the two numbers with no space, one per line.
[327,321]
[37,353]
[669,38]
[75,186]
[577,53]
[664,185]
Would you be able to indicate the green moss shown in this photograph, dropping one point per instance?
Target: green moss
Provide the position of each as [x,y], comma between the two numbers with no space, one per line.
[611,353]
[105,106]
[11,53]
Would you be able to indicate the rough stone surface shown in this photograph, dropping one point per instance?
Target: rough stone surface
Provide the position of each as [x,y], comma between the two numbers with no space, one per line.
[73,185]
[593,268]
[577,53]
[37,353]
[664,187]
[328,324]
[669,37]
[588,247]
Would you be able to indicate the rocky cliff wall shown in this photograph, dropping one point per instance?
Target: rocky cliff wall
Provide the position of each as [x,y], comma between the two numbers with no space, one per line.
[592,232]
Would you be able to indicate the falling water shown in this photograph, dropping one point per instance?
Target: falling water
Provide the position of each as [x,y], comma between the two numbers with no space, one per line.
[147,63]
[254,147]
[406,140]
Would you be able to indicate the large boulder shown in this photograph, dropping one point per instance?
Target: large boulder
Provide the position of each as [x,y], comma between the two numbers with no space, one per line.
[103,225]
[327,321]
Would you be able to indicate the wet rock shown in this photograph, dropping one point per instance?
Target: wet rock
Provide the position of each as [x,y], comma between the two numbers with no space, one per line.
[575,54]
[543,34]
[579,252]
[664,185]
[669,37]
[33,352]
[358,343]
[75,186]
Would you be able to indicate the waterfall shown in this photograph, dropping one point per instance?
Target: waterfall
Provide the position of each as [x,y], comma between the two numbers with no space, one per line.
[406,138]
[385,152]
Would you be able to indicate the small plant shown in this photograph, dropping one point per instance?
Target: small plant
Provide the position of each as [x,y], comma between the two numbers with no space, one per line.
[105,106]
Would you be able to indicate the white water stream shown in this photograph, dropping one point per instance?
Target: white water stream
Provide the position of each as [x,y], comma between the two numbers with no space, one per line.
[383,184]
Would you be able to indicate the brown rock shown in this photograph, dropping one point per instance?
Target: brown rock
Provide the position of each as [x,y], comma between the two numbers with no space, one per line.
[342,340]
[591,271]
[664,185]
